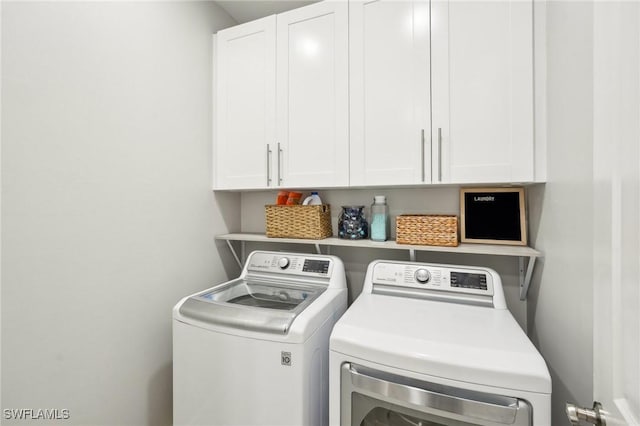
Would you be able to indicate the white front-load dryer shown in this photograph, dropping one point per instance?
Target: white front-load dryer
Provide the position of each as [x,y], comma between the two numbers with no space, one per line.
[254,350]
[428,344]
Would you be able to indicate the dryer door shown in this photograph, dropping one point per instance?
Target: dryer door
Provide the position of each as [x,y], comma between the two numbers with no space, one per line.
[372,398]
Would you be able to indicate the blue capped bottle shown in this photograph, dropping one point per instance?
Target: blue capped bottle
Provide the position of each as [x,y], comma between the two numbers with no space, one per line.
[313,199]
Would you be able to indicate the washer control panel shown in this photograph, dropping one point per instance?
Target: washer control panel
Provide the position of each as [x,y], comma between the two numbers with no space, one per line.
[433,277]
[316,266]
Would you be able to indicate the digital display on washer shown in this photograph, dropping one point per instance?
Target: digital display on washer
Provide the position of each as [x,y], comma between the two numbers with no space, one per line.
[318,266]
[466,280]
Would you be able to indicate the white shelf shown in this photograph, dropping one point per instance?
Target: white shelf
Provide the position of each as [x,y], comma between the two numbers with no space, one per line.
[521,252]
[490,249]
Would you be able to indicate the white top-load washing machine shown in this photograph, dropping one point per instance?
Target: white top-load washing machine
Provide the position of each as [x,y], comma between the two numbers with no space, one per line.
[254,350]
[428,344]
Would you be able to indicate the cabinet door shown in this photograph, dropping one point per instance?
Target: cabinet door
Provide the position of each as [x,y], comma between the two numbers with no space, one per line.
[389,84]
[312,96]
[482,91]
[245,107]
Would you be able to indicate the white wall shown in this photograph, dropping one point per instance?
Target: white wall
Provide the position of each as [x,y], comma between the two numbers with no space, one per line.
[107,213]
[560,303]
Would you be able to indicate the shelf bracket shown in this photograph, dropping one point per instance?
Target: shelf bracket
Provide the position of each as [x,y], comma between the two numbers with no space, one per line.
[525,276]
[233,252]
[412,255]
[318,251]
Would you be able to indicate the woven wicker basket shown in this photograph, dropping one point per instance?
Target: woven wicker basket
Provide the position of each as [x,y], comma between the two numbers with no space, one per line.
[312,222]
[424,229]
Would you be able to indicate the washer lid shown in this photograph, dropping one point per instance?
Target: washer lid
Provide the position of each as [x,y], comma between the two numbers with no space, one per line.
[251,305]
[471,344]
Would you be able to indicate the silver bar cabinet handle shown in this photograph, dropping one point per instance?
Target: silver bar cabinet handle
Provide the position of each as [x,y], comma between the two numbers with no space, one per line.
[439,154]
[279,164]
[422,152]
[431,156]
[268,165]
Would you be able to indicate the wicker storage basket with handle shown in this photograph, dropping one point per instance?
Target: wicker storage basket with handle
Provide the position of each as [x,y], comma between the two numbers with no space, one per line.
[426,229]
[296,221]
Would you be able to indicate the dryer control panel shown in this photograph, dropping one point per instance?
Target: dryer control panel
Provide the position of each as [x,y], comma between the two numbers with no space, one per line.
[432,277]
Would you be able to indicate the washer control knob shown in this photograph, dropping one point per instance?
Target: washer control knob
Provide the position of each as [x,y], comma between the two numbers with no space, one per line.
[283,262]
[422,276]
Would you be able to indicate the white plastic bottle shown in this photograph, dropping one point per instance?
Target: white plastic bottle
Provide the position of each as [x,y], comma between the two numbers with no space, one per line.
[313,199]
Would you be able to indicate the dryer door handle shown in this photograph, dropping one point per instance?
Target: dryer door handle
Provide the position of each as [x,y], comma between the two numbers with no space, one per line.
[501,410]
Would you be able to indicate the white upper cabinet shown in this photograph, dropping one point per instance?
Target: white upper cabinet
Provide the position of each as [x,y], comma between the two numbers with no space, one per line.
[282,101]
[390,141]
[482,91]
[245,128]
[377,93]
[313,96]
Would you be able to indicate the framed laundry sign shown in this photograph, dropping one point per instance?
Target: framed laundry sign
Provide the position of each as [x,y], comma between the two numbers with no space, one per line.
[493,216]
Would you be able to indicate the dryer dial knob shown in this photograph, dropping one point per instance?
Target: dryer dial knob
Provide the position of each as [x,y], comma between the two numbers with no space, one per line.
[283,262]
[422,276]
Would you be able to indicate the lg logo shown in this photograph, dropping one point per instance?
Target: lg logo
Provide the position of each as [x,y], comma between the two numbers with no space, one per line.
[285,358]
